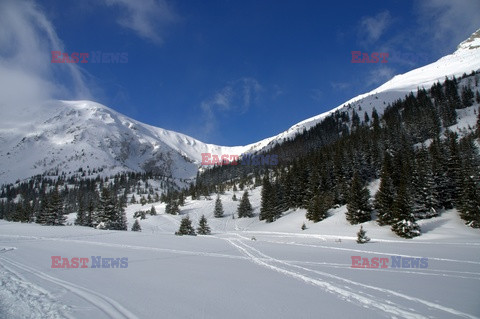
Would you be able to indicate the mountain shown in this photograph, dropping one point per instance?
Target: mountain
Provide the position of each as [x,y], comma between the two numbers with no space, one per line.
[68,136]
[464,60]
[72,136]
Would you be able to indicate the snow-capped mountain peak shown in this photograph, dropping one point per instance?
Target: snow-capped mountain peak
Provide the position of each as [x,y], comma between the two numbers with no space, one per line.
[464,60]
[472,43]
[68,136]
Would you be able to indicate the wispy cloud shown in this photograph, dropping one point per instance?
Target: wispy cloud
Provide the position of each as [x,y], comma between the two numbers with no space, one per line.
[235,97]
[27,75]
[379,75]
[448,22]
[277,91]
[148,18]
[340,85]
[372,28]
[316,95]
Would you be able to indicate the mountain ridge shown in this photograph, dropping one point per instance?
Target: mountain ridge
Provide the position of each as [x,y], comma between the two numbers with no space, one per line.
[71,135]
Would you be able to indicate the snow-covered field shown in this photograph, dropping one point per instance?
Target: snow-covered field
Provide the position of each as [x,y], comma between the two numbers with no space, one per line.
[284,273]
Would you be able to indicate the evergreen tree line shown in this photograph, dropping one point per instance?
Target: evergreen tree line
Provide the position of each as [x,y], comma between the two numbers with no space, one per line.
[99,202]
[186,227]
[423,167]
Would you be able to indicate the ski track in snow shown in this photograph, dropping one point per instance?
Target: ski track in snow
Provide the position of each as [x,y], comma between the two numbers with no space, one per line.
[105,304]
[432,272]
[20,298]
[370,251]
[346,289]
[346,293]
[135,247]
[326,237]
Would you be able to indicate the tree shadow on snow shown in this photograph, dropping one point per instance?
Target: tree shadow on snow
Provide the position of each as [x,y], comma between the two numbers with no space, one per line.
[430,225]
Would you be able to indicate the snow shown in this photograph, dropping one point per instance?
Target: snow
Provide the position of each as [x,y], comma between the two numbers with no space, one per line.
[69,135]
[284,273]
[464,60]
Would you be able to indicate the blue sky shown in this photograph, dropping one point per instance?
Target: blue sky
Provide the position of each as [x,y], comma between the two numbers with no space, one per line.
[225,72]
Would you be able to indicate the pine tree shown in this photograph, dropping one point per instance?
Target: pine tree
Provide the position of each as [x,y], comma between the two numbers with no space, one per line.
[111,214]
[81,214]
[362,236]
[218,212]
[43,211]
[470,204]
[358,206]
[454,167]
[90,217]
[318,208]
[136,226]
[27,210]
[203,228]
[375,121]
[425,194]
[172,207]
[478,119]
[245,208]
[280,200]
[181,200]
[439,169]
[267,209]
[119,220]
[467,96]
[385,195]
[404,224]
[133,200]
[55,209]
[186,227]
[106,209]
[153,211]
[445,106]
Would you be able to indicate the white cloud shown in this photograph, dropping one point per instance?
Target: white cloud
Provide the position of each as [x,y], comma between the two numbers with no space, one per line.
[372,28]
[448,22]
[277,91]
[146,17]
[236,97]
[27,75]
[379,75]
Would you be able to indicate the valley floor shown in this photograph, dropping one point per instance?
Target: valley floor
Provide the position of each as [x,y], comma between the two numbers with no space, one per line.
[284,273]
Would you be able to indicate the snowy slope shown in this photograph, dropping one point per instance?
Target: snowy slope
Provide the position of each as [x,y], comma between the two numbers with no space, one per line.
[69,135]
[464,60]
[285,273]
[65,136]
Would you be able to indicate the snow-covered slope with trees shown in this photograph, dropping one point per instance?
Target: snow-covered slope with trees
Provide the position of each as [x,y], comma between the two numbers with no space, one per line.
[68,136]
[464,60]
[284,273]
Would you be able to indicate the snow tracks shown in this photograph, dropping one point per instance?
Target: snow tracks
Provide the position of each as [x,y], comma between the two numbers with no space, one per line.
[389,302]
